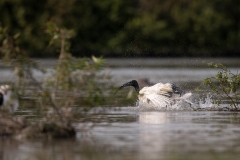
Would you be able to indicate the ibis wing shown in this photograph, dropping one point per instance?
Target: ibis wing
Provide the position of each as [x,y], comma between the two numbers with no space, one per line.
[164,93]
[161,95]
[163,89]
[158,100]
[169,90]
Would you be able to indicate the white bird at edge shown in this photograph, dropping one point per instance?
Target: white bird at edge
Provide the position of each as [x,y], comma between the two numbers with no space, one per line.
[159,95]
[7,99]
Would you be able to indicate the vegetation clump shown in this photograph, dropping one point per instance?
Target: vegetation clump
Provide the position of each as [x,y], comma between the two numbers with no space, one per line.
[71,79]
[225,85]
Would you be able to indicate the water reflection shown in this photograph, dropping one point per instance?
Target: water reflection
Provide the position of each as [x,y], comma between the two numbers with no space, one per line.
[149,135]
[153,117]
[152,137]
[179,134]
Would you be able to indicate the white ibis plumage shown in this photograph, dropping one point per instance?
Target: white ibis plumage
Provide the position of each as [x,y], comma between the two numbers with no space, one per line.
[6,98]
[159,95]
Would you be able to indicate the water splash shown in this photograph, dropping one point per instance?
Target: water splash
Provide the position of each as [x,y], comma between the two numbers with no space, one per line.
[205,103]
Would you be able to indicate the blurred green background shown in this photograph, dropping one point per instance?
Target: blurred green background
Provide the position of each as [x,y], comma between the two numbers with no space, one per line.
[121,28]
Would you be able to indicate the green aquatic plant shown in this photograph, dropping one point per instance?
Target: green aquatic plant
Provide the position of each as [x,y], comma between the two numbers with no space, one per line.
[72,80]
[13,55]
[225,84]
[73,77]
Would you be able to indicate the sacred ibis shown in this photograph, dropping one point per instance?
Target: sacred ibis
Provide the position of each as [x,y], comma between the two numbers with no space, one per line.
[159,95]
[6,98]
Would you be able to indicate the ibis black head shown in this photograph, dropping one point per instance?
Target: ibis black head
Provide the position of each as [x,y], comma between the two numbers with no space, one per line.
[132,83]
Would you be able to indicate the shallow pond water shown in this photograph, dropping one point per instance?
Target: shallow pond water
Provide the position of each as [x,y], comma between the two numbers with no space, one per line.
[130,133]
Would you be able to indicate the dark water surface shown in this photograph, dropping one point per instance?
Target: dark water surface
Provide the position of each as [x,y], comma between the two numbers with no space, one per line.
[128,133]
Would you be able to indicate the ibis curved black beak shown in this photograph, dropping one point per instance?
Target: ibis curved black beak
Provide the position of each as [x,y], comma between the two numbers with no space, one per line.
[132,83]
